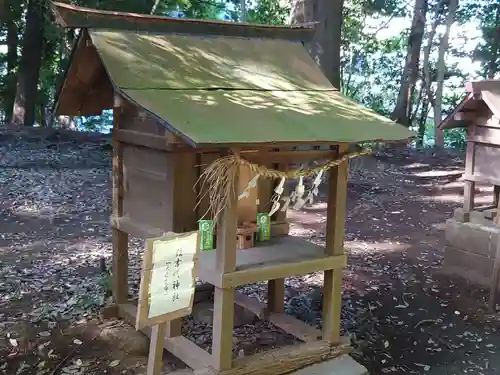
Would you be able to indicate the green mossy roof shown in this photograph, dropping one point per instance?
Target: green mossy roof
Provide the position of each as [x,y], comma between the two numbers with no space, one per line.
[228,90]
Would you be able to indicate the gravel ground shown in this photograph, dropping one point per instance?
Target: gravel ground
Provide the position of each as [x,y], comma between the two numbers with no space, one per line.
[403,317]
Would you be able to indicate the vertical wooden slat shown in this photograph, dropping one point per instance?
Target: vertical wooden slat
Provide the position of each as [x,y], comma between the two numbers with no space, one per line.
[119,238]
[223,323]
[335,227]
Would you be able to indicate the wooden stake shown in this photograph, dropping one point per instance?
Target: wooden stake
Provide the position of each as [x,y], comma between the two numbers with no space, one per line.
[155,357]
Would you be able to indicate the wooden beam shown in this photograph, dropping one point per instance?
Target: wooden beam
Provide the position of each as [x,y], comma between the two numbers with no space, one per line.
[492,100]
[251,304]
[484,139]
[126,225]
[485,135]
[287,323]
[71,16]
[155,142]
[282,360]
[286,157]
[480,178]
[281,270]
[295,327]
[484,85]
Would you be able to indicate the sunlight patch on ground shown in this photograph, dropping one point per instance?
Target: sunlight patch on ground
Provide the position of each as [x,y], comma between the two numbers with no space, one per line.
[313,214]
[455,198]
[436,173]
[357,246]
[415,165]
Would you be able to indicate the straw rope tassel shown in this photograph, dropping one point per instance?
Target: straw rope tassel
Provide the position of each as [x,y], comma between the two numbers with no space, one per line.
[218,179]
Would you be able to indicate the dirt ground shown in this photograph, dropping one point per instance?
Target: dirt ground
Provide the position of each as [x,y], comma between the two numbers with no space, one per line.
[402,314]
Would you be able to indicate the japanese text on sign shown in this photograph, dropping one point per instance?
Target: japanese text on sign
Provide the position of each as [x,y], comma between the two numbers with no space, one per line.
[171,285]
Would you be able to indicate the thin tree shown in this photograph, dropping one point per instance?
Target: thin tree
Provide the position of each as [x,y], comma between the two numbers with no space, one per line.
[441,70]
[403,109]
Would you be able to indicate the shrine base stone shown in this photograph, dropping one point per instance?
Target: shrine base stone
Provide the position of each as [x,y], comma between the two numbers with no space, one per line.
[470,248]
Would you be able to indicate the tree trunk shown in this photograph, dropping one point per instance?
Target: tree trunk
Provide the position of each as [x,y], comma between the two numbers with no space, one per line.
[24,109]
[402,111]
[12,43]
[441,68]
[422,121]
[325,46]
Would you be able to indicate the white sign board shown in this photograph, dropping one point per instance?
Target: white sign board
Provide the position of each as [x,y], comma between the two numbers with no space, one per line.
[167,279]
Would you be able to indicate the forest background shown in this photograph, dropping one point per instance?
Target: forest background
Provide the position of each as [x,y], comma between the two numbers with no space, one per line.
[406,59]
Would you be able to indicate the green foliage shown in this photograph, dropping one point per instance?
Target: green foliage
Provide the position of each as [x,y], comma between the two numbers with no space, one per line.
[456,138]
[488,49]
[371,62]
[270,12]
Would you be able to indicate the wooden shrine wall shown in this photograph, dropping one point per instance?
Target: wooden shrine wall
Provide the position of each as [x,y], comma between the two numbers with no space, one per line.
[158,186]
[483,150]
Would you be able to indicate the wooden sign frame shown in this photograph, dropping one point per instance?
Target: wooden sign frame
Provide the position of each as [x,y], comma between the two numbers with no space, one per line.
[143,320]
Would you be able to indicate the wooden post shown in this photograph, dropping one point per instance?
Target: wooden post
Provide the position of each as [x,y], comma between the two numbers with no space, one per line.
[276,287]
[335,227]
[495,277]
[155,357]
[119,238]
[223,322]
[469,186]
[276,295]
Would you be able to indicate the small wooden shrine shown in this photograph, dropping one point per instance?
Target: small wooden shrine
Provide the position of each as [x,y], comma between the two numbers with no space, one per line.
[193,100]
[471,235]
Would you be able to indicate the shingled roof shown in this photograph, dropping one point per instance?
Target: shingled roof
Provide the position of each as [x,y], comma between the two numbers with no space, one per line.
[248,84]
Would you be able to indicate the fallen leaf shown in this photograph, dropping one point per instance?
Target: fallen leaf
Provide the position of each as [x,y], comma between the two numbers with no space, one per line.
[13,342]
[114,363]
[51,354]
[425,367]
[44,333]
[77,342]
[70,370]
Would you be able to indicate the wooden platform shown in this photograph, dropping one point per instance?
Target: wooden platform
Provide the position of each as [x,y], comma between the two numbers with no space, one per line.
[274,362]
[280,257]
